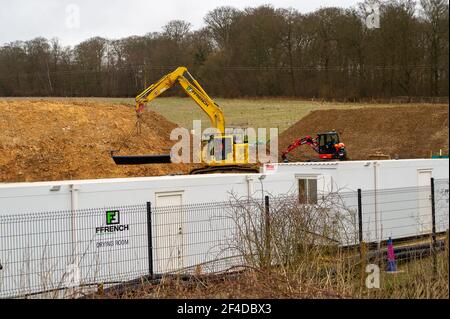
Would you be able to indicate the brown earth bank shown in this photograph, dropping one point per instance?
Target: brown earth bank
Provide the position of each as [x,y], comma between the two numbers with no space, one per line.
[58,140]
[43,140]
[406,132]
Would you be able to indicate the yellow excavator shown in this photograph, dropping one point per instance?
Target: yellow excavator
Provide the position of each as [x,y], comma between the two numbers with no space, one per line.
[225,153]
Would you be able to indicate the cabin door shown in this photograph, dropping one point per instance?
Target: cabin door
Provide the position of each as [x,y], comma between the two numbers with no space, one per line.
[424,201]
[168,218]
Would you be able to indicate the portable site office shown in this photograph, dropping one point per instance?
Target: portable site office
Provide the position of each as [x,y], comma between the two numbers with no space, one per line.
[79,215]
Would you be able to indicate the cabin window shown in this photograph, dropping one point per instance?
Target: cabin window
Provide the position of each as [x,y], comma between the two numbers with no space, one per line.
[307,190]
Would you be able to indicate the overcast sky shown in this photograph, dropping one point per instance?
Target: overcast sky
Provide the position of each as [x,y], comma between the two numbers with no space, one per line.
[113,19]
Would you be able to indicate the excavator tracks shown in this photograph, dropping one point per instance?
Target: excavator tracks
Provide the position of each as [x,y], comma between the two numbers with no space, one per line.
[225,169]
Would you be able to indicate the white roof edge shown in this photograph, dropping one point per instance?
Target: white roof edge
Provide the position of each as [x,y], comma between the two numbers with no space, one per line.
[358,161]
[200,176]
[119,180]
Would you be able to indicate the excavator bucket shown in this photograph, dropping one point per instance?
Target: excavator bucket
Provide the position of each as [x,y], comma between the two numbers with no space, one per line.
[141,159]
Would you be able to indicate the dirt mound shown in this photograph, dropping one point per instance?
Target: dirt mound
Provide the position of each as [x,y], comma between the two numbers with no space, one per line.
[409,132]
[57,140]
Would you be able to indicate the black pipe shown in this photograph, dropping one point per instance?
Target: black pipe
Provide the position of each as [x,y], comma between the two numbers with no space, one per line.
[407,252]
[141,159]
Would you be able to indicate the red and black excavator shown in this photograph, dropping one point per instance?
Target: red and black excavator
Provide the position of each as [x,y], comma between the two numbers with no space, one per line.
[327,145]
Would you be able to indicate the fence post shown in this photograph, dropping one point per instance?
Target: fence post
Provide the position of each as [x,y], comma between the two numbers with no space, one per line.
[362,245]
[360,227]
[433,228]
[267,229]
[446,245]
[149,239]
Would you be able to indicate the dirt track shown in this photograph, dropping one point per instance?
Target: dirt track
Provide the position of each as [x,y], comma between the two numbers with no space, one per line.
[51,140]
[409,132]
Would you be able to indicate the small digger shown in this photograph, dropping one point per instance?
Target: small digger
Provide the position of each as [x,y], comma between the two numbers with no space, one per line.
[327,145]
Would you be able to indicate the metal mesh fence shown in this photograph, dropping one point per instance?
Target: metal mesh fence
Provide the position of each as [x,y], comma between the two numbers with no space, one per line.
[50,251]
[441,192]
[193,238]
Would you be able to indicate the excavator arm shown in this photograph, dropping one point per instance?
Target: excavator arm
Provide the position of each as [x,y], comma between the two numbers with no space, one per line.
[191,87]
[299,142]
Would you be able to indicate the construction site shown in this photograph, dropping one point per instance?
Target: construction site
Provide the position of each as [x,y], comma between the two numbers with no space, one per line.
[58,155]
[46,140]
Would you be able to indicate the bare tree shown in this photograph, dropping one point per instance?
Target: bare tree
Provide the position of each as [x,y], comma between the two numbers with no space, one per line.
[435,13]
[177,30]
[328,53]
[220,22]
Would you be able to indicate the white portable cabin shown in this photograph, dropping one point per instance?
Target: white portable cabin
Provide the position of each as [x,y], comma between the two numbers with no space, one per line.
[396,194]
[274,179]
[368,175]
[385,213]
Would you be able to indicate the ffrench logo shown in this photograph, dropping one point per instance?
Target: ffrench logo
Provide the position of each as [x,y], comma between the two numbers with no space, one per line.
[112,217]
[112,223]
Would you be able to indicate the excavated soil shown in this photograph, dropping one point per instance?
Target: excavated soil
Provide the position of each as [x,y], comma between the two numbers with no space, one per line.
[405,132]
[58,140]
[43,140]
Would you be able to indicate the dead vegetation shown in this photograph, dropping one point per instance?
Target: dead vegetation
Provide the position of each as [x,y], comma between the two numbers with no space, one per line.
[415,281]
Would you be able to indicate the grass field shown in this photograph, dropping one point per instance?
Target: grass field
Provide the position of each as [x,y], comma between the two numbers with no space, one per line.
[278,113]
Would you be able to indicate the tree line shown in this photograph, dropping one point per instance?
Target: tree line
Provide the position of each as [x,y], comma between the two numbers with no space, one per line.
[255,52]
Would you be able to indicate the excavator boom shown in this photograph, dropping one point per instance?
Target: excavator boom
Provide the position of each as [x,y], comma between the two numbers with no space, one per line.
[299,142]
[191,87]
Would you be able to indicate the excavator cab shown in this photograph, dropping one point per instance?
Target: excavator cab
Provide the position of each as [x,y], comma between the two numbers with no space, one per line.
[330,146]
[220,149]
[223,150]
[327,142]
